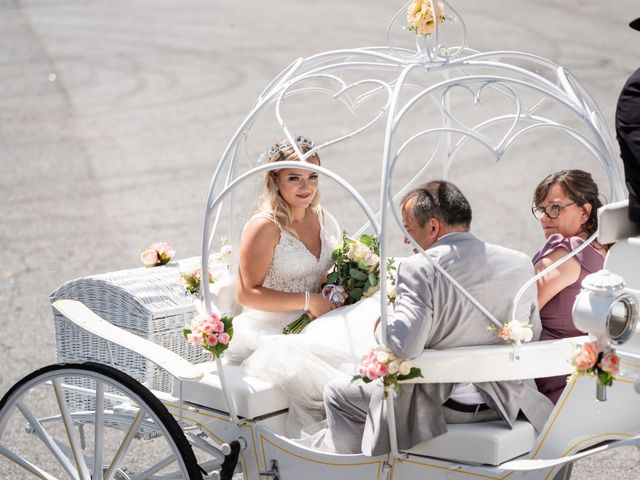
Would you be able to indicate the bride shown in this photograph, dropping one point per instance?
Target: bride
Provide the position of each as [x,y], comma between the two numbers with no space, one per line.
[285,254]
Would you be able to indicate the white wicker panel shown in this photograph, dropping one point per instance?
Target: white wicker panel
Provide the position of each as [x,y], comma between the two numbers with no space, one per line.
[146,301]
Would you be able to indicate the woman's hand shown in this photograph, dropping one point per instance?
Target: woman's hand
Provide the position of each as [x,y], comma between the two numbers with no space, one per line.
[318,305]
[335,294]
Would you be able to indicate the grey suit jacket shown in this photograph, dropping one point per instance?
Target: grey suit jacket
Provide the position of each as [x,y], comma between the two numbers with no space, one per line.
[431,313]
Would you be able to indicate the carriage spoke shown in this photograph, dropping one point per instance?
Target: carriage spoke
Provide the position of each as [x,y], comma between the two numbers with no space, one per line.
[124,446]
[30,467]
[155,468]
[74,441]
[98,426]
[48,441]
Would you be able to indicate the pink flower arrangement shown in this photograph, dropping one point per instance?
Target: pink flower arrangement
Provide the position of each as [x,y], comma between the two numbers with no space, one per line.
[591,360]
[381,363]
[157,254]
[515,331]
[190,280]
[210,331]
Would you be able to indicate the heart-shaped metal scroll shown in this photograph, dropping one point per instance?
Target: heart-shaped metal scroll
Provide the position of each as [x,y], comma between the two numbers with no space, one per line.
[342,95]
[499,147]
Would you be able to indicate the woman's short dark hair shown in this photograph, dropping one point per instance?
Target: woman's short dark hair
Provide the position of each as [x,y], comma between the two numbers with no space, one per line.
[442,200]
[579,186]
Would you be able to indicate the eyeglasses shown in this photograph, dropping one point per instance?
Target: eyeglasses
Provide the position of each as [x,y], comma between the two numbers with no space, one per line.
[553,210]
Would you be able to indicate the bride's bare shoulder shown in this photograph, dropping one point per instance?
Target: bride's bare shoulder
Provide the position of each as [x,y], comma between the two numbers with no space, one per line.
[263,229]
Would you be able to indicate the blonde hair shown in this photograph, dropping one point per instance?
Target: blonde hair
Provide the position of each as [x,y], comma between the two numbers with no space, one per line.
[270,201]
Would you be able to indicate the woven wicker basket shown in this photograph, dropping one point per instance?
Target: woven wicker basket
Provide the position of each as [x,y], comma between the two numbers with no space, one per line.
[146,301]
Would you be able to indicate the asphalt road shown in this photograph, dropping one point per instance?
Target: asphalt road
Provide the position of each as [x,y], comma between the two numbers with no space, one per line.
[114,114]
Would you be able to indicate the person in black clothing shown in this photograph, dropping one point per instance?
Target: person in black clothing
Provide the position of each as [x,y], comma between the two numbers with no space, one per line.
[628,133]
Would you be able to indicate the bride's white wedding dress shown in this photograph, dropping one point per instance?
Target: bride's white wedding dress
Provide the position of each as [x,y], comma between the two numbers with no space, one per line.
[329,348]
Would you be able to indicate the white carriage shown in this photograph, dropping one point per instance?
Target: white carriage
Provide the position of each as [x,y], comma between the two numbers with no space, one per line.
[92,420]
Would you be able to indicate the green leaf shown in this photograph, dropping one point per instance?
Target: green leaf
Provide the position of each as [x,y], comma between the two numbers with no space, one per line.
[373,279]
[413,373]
[355,295]
[357,274]
[332,277]
[356,378]
[367,240]
[348,241]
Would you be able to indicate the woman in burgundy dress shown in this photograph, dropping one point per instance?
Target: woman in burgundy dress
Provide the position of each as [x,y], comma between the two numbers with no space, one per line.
[566,203]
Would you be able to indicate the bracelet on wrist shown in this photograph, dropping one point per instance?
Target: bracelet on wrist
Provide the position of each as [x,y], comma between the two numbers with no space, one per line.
[306,300]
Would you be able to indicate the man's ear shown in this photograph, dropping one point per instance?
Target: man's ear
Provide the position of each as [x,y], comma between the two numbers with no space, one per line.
[433,226]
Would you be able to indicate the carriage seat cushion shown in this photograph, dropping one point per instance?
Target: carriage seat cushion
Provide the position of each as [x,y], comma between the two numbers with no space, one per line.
[252,397]
[490,443]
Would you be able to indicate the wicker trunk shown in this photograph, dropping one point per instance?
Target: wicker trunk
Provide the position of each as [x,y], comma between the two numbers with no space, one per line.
[146,301]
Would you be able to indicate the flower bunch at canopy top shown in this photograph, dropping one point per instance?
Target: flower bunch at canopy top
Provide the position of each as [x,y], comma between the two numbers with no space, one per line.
[420,17]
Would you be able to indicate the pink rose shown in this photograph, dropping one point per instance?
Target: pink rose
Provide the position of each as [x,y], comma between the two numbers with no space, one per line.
[610,363]
[372,371]
[149,258]
[165,253]
[224,338]
[218,327]
[362,370]
[207,328]
[372,260]
[504,333]
[212,340]
[194,338]
[382,356]
[213,317]
[383,369]
[587,357]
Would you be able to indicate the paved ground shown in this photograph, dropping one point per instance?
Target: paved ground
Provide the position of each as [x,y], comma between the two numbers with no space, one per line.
[113,115]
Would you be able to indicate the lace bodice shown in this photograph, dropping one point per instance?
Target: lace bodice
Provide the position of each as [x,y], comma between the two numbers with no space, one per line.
[294,268]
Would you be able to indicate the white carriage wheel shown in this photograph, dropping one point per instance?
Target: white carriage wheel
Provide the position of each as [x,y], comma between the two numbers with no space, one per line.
[91,422]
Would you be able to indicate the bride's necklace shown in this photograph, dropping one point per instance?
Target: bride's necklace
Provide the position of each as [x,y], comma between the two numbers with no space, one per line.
[306,212]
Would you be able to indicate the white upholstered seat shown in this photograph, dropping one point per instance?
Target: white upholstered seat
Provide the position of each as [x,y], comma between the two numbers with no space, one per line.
[490,443]
[252,397]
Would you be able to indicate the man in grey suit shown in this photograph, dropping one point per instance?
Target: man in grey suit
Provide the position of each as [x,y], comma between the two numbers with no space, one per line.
[431,313]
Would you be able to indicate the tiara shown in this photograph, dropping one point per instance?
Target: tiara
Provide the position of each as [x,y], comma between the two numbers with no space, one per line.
[280,146]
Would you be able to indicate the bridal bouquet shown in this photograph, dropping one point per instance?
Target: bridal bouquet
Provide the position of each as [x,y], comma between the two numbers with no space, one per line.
[420,16]
[356,272]
[157,254]
[591,360]
[210,331]
[382,363]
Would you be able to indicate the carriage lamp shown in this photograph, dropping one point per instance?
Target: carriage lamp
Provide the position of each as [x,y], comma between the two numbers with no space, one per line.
[606,311]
